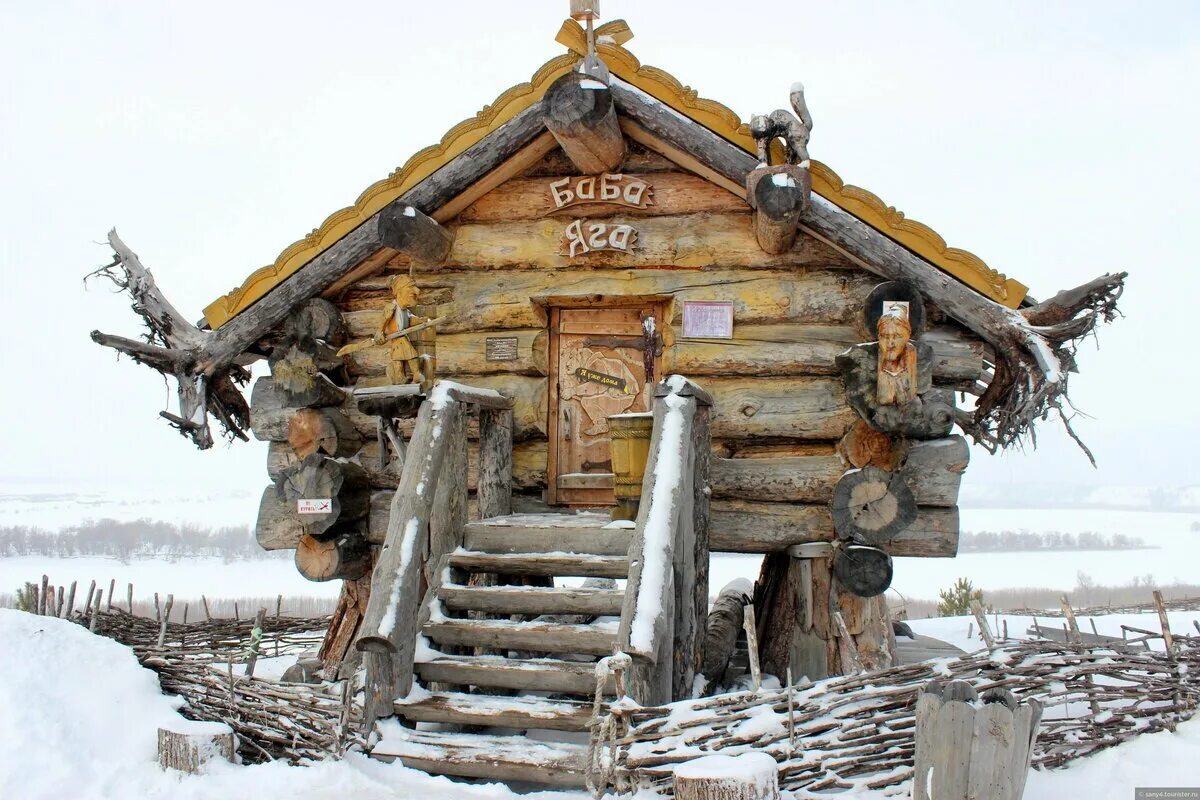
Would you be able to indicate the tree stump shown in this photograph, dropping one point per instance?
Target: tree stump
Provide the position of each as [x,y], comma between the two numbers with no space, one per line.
[749,776]
[972,747]
[189,752]
[871,505]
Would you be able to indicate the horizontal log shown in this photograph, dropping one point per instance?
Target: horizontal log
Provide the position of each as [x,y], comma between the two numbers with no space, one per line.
[750,448]
[537,637]
[934,470]
[783,349]
[711,241]
[508,600]
[496,758]
[277,527]
[574,566]
[796,480]
[526,675]
[673,193]
[459,354]
[504,299]
[751,527]
[529,539]
[796,408]
[501,712]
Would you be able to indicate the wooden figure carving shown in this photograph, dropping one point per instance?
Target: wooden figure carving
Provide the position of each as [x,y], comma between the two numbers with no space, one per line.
[405,363]
[889,382]
[794,130]
[896,376]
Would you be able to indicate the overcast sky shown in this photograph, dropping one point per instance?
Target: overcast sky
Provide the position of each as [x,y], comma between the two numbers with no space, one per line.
[1057,141]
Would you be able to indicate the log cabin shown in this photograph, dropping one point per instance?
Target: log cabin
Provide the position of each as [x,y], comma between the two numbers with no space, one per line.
[525,385]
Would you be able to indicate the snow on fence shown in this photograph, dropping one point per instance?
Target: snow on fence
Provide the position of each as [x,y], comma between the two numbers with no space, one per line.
[196,661]
[858,731]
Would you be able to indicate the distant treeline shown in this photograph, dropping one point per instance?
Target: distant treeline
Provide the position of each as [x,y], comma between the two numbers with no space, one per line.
[125,540]
[1023,541]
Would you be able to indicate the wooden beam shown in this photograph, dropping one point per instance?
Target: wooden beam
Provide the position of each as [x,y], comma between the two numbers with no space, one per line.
[581,116]
[406,229]
[779,196]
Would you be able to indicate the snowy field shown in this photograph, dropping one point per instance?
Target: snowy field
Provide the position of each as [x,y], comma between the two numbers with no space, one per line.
[1173,551]
[96,713]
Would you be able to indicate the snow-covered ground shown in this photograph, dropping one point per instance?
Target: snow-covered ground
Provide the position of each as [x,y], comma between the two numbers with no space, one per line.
[954,630]
[79,716]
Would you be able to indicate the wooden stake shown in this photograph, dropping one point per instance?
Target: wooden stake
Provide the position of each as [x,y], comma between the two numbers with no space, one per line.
[791,713]
[752,645]
[96,611]
[112,590]
[87,607]
[128,596]
[42,604]
[34,598]
[278,609]
[71,599]
[207,616]
[157,609]
[58,605]
[255,640]
[162,629]
[1162,620]
[984,630]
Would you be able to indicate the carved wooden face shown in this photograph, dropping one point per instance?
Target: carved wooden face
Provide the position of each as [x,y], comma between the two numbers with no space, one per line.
[893,338]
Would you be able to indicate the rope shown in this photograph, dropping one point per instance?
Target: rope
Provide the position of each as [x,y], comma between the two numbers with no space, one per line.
[605,728]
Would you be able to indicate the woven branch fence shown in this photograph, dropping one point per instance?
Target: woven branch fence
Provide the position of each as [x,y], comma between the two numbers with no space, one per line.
[858,732]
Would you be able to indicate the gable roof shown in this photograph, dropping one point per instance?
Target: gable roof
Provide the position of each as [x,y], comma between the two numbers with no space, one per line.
[715,117]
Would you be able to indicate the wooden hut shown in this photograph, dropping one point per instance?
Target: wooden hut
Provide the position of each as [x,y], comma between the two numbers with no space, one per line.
[458,358]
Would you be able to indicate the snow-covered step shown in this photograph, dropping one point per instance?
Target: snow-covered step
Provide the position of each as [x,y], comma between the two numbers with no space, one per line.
[544,535]
[539,637]
[497,712]
[507,600]
[505,758]
[562,564]
[533,674]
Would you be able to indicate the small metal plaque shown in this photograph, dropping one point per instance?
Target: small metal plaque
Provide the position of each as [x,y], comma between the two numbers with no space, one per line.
[500,348]
[707,319]
[321,505]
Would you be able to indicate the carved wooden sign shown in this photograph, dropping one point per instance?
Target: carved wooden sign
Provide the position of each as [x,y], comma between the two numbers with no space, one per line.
[591,376]
[582,236]
[621,190]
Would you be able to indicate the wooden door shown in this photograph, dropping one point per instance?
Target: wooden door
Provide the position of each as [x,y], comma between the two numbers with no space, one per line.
[603,363]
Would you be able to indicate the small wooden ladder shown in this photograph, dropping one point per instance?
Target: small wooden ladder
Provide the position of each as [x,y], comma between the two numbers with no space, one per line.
[494,637]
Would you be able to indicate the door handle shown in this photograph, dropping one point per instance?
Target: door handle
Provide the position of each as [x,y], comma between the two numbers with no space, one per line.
[566,422]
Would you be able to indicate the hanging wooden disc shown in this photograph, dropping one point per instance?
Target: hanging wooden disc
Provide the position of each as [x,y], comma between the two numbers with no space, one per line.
[863,570]
[871,505]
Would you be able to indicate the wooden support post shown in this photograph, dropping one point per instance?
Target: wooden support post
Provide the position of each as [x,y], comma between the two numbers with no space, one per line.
[387,637]
[112,589]
[779,196]
[255,641]
[403,227]
[70,601]
[494,482]
[96,611]
[581,116]
[58,602]
[87,607]
[166,616]
[449,512]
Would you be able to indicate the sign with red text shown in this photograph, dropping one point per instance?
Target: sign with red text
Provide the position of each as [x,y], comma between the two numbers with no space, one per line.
[320,505]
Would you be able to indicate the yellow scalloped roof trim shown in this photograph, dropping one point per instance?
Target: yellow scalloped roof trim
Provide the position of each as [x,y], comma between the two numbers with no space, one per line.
[661,85]
[720,119]
[423,164]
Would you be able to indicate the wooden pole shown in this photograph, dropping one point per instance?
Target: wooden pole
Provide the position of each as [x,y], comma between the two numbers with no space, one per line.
[207,616]
[128,596]
[1168,639]
[981,619]
[87,607]
[752,645]
[166,616]
[71,599]
[58,605]
[96,611]
[255,641]
[42,604]
[112,590]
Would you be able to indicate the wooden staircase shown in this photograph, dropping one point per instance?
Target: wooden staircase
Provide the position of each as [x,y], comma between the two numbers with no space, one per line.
[482,639]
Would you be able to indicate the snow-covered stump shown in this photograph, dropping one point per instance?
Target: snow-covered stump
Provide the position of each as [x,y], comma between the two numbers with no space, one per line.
[200,743]
[749,776]
[972,747]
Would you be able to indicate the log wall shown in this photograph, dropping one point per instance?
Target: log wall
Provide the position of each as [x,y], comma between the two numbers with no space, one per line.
[780,408]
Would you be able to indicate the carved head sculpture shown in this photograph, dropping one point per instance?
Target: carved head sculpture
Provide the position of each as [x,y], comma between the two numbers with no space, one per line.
[896,379]
[894,332]
[404,291]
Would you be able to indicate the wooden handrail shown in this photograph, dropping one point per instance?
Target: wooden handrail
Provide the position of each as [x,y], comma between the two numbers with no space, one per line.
[666,596]
[428,512]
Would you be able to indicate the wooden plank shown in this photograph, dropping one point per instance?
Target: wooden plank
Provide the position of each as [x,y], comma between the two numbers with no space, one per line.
[524,675]
[449,512]
[515,299]
[950,748]
[989,770]
[753,527]
[496,758]
[801,349]
[594,541]
[723,241]
[507,600]
[498,712]
[674,193]
[537,637]
[578,566]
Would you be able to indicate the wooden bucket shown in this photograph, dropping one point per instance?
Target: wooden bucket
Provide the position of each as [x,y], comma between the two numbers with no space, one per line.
[630,435]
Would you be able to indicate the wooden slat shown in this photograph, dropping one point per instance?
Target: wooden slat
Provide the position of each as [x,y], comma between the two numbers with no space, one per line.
[507,600]
[576,566]
[504,758]
[538,637]
[510,539]
[498,712]
[535,674]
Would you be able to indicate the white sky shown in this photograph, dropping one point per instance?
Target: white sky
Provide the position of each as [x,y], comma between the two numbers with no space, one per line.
[1054,140]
